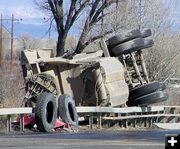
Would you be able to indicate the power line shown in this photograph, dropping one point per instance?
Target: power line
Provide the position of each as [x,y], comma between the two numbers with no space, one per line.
[12,36]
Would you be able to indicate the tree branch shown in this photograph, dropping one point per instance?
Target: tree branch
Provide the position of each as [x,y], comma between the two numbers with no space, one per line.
[57,10]
[70,14]
[100,36]
[91,19]
[77,12]
[50,25]
[96,38]
[52,7]
[44,6]
[100,10]
[94,7]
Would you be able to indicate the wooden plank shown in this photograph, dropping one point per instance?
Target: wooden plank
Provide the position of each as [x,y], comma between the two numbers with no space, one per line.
[140,116]
[85,56]
[9,111]
[99,109]
[104,48]
[56,60]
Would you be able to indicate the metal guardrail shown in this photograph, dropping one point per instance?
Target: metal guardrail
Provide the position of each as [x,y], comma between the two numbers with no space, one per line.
[141,116]
[12,111]
[125,110]
[126,113]
[133,115]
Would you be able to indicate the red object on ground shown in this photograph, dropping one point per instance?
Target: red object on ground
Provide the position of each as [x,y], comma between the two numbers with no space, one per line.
[62,126]
[59,124]
[28,119]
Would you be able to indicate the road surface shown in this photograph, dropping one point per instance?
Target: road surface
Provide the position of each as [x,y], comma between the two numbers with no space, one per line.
[153,139]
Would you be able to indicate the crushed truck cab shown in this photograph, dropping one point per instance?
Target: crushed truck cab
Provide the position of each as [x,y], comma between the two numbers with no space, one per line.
[90,79]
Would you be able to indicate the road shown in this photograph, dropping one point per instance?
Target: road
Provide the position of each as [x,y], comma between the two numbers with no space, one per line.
[153,139]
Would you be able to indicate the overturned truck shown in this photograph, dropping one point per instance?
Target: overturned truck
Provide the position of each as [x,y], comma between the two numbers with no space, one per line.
[114,76]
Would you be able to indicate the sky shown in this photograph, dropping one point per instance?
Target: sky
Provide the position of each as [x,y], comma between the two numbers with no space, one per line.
[174,5]
[33,19]
[22,9]
[29,19]
[176,12]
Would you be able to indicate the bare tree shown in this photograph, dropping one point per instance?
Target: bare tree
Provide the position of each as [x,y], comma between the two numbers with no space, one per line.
[67,13]
[27,42]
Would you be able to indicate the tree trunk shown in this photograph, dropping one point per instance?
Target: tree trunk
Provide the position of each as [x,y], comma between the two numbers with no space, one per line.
[80,45]
[61,44]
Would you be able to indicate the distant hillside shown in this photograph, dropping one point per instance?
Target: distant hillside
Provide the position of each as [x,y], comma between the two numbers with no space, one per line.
[35,30]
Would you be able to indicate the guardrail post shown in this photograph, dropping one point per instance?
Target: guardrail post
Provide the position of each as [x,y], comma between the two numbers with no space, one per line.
[135,120]
[8,123]
[99,120]
[91,120]
[151,122]
[21,122]
[145,122]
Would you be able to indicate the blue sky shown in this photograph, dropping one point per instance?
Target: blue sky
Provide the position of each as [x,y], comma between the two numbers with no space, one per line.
[33,19]
[32,22]
[176,12]
[24,9]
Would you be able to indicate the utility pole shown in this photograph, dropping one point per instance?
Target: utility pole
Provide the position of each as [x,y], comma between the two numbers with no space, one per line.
[1,40]
[12,34]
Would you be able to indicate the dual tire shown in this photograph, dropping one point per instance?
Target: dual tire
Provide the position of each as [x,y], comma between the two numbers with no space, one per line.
[46,111]
[129,41]
[147,94]
[127,36]
[132,46]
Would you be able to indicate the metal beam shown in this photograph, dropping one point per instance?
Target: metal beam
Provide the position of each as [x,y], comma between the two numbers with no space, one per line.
[99,109]
[10,111]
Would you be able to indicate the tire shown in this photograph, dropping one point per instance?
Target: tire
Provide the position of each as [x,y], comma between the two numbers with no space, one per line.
[145,89]
[67,110]
[127,36]
[123,37]
[46,112]
[158,96]
[131,46]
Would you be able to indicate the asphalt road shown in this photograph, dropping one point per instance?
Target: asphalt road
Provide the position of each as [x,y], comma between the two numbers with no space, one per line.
[86,140]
